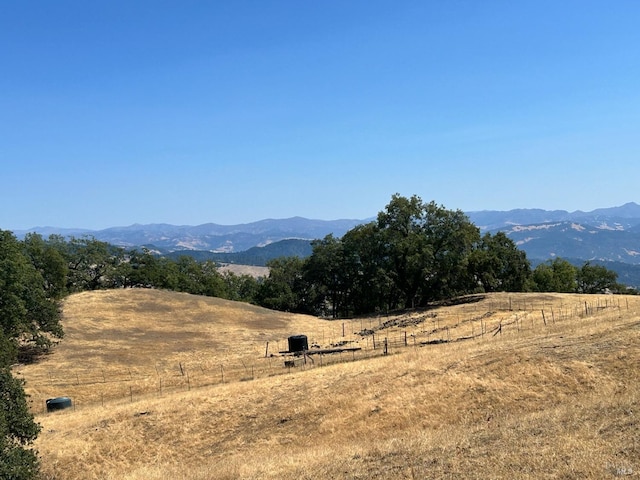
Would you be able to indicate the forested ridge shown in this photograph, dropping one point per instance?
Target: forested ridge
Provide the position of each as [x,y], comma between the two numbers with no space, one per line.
[414,253]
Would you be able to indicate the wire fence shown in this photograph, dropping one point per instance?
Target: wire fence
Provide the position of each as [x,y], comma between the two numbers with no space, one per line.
[377,337]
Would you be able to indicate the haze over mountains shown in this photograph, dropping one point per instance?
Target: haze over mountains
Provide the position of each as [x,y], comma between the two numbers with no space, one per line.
[604,234]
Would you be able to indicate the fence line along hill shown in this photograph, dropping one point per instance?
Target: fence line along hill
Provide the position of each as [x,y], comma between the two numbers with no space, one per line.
[170,385]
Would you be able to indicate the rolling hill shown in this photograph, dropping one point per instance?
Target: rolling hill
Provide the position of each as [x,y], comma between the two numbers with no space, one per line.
[169,385]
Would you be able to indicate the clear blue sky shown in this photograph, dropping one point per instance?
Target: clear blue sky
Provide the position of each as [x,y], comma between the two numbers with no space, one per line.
[187,112]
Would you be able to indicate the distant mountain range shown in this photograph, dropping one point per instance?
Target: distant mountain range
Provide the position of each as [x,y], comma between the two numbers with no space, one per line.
[209,237]
[615,218]
[603,235]
[606,234]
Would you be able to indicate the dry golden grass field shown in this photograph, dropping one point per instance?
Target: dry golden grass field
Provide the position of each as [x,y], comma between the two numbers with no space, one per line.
[250,270]
[506,386]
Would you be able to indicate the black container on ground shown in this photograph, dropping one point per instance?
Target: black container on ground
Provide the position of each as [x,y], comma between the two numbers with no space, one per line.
[298,343]
[59,403]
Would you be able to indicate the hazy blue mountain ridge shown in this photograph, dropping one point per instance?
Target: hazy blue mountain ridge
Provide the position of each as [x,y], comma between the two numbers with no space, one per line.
[576,240]
[627,216]
[210,236]
[604,234]
[256,256]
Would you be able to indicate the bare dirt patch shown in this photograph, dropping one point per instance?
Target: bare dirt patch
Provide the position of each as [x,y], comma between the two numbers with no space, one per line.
[251,270]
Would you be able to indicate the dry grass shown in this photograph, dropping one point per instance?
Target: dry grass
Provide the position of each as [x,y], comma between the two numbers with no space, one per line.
[528,400]
[251,270]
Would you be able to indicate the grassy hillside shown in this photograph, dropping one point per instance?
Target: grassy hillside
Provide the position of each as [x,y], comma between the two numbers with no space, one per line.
[169,385]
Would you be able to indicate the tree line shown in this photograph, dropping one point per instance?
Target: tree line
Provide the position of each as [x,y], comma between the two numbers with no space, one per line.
[414,253]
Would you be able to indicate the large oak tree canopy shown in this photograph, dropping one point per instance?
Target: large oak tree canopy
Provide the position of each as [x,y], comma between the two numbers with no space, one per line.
[29,318]
[414,253]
